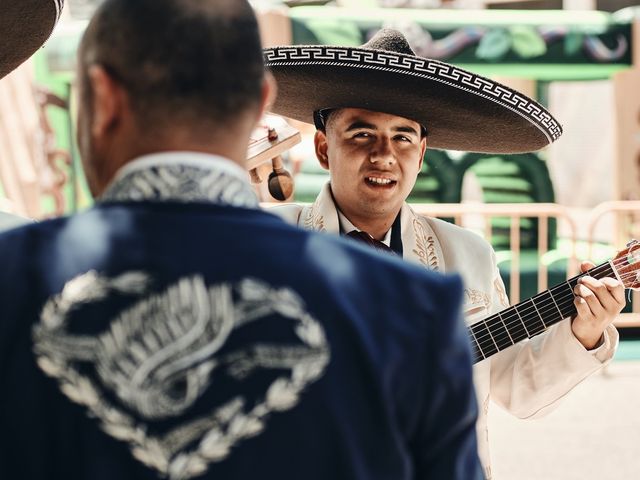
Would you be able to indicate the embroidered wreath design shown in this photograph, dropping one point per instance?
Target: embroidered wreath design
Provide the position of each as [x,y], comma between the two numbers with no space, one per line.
[171,337]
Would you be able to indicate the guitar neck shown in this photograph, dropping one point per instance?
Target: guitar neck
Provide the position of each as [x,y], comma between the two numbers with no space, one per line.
[530,317]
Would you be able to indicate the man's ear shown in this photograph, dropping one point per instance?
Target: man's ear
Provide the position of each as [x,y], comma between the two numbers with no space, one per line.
[423,148]
[108,101]
[321,147]
[269,93]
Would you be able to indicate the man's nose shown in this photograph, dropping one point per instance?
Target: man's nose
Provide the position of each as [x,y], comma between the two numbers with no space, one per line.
[383,153]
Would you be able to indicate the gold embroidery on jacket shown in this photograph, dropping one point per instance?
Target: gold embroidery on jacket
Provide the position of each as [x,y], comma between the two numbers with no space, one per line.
[313,221]
[502,295]
[425,246]
[476,297]
[487,473]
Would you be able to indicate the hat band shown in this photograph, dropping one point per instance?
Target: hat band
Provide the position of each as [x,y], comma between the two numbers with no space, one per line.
[59,4]
[319,56]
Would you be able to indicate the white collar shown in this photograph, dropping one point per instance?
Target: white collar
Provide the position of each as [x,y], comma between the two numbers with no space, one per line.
[182,177]
[196,159]
[346,226]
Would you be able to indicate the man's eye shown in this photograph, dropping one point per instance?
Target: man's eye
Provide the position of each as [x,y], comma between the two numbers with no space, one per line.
[362,135]
[403,138]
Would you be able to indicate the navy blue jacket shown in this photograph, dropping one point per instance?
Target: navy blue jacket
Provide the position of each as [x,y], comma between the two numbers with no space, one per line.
[339,363]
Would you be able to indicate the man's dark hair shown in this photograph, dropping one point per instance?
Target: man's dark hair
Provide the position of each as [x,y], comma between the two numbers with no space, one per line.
[322,118]
[192,60]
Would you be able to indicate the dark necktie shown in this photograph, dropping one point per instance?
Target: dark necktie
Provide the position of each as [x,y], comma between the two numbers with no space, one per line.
[367,239]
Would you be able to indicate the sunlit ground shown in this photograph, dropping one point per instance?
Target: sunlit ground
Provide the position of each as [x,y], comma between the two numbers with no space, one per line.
[594,434]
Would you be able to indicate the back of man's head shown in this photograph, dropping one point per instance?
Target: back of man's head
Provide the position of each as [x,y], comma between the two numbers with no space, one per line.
[181,61]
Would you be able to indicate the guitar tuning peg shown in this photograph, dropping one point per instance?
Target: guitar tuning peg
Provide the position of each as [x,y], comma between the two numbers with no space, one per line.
[272,134]
[280,182]
[254,175]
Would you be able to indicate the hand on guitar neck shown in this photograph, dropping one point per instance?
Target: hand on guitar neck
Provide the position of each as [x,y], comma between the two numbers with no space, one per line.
[592,301]
[598,302]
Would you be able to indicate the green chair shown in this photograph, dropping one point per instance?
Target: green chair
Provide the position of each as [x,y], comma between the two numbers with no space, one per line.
[437,181]
[519,178]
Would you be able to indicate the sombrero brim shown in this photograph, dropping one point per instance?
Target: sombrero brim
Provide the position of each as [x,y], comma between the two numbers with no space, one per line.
[24,26]
[461,110]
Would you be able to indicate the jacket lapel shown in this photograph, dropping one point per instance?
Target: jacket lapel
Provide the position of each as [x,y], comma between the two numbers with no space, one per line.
[321,215]
[419,242]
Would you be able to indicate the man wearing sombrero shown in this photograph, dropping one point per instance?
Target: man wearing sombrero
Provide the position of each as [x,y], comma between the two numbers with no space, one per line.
[24,26]
[376,109]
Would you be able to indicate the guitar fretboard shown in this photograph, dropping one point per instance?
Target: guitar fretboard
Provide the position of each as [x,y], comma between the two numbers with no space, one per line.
[528,318]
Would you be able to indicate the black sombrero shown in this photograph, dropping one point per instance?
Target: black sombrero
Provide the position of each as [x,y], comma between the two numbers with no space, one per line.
[461,110]
[24,26]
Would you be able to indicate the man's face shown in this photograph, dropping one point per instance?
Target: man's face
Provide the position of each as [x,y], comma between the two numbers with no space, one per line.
[374,159]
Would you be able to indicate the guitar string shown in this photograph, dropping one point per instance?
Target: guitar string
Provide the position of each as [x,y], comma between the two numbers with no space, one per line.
[501,338]
[528,318]
[505,336]
[500,317]
[522,316]
[526,312]
[531,323]
[528,324]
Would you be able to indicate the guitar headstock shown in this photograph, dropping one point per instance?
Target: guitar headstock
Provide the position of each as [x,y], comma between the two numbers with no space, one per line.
[627,265]
[272,137]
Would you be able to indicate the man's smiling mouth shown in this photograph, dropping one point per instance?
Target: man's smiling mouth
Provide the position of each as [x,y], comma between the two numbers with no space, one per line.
[378,181]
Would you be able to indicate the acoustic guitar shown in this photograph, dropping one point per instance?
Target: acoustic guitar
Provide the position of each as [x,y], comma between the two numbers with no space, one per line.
[534,315]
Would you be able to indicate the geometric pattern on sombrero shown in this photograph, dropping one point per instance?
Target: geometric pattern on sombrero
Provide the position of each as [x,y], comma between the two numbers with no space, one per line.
[420,67]
[291,58]
[59,5]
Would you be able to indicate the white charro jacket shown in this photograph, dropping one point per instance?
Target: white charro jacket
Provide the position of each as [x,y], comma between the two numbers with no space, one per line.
[527,379]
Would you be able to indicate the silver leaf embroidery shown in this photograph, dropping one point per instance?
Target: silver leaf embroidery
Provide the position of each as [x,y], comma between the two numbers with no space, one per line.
[157,358]
[181,183]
